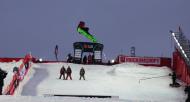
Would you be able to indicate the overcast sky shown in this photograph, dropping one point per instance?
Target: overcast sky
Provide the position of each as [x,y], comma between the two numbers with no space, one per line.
[36,26]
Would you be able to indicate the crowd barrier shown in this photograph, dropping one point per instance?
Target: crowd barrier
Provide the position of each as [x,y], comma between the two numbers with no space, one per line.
[10,59]
[147,61]
[180,67]
[18,76]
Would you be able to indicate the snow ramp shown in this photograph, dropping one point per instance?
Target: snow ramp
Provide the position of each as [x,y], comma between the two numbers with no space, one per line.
[120,80]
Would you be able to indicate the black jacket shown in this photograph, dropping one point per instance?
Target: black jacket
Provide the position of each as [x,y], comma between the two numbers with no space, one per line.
[3,75]
[69,71]
[82,71]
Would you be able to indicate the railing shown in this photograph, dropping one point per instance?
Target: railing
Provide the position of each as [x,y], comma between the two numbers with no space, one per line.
[18,76]
[183,45]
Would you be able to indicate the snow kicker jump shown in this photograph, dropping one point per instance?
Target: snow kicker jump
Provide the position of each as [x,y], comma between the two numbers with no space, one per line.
[84,31]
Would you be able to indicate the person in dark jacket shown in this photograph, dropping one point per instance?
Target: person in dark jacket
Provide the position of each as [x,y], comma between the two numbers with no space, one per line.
[16,76]
[26,65]
[187,91]
[3,75]
[174,78]
[69,71]
[62,72]
[82,72]
[82,26]
[89,59]
[69,58]
[84,59]
[93,59]
[56,52]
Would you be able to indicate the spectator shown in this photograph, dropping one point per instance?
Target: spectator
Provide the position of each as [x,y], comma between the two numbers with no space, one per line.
[187,91]
[16,76]
[56,52]
[174,78]
[69,58]
[82,72]
[69,71]
[84,59]
[93,59]
[3,75]
[62,72]
[89,59]
[26,65]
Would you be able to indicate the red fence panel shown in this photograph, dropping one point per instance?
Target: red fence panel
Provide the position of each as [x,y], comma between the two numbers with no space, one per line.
[10,59]
[147,61]
[17,77]
[180,67]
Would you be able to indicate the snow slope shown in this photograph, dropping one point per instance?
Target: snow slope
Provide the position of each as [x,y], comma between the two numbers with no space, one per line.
[119,80]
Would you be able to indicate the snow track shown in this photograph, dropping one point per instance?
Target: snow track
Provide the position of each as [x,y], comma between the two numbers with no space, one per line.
[119,80]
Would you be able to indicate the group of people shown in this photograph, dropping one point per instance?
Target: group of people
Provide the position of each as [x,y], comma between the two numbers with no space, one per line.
[68,72]
[88,60]
[85,60]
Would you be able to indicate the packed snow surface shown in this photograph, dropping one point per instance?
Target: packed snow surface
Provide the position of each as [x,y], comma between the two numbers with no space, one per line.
[130,82]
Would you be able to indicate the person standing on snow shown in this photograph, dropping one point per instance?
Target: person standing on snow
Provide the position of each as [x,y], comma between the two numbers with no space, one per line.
[174,78]
[16,76]
[62,72]
[82,72]
[187,91]
[93,59]
[3,75]
[69,71]
[89,59]
[56,52]
[85,60]
[69,58]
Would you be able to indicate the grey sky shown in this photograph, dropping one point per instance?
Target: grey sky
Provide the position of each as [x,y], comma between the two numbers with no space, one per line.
[38,25]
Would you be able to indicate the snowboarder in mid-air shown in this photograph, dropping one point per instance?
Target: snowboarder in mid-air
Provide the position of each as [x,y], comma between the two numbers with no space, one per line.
[69,71]
[62,72]
[83,30]
[82,72]
[82,26]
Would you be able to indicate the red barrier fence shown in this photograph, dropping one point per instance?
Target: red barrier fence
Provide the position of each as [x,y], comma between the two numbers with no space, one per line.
[10,59]
[147,61]
[19,76]
[180,67]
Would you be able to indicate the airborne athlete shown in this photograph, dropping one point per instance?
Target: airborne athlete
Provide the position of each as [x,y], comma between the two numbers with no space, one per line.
[84,31]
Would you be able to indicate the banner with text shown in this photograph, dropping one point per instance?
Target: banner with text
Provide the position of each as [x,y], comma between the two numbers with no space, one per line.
[140,60]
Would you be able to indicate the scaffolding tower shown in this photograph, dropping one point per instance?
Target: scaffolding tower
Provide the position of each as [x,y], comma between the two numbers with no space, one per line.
[182,44]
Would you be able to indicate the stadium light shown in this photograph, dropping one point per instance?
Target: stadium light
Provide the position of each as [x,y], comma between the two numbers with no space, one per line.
[40,60]
[112,61]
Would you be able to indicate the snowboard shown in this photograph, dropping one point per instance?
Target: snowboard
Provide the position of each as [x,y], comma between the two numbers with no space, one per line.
[175,85]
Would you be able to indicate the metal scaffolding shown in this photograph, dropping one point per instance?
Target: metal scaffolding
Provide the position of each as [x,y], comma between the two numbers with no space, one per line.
[182,44]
